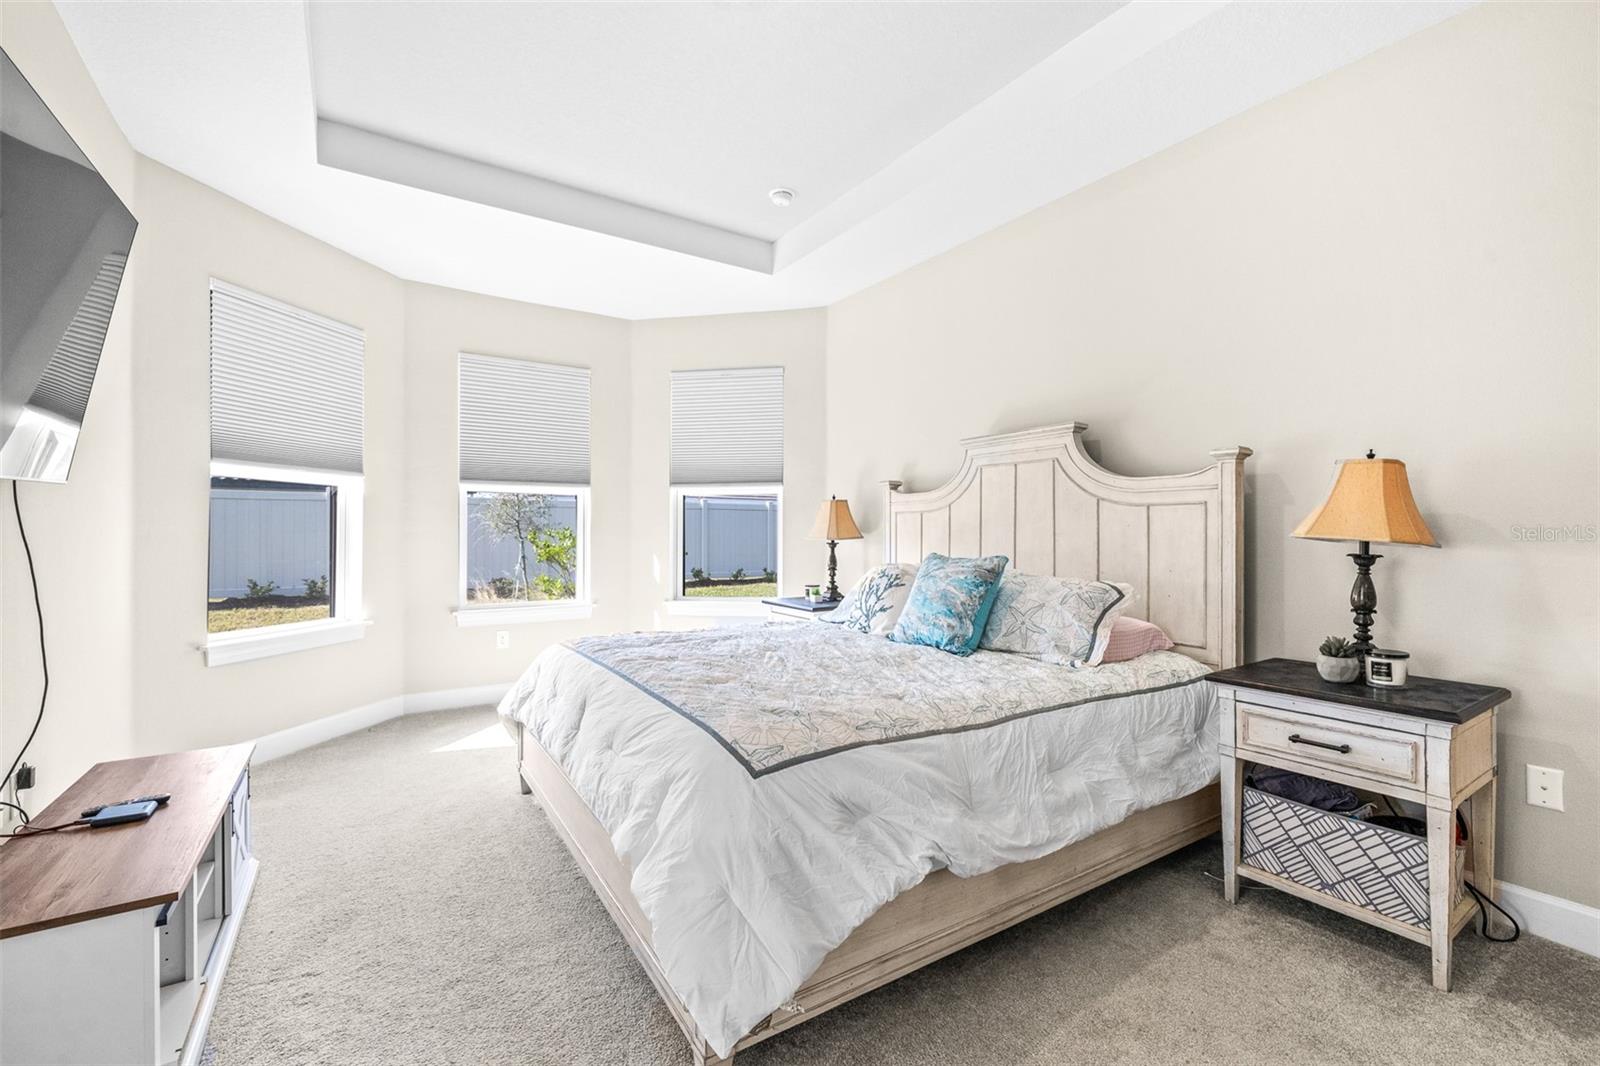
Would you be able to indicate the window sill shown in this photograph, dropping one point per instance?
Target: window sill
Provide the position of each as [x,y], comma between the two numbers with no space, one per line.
[242,645]
[711,607]
[470,617]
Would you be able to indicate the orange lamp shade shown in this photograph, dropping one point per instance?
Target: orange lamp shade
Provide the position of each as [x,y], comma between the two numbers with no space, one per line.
[835,522]
[1370,500]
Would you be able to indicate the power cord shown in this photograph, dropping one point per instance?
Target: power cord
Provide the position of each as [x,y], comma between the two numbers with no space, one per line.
[44,661]
[22,831]
[1484,902]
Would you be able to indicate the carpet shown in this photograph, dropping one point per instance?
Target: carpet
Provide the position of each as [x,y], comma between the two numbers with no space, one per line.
[413,907]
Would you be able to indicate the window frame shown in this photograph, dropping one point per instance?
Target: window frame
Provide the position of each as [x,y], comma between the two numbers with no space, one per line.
[580,606]
[346,619]
[677,602]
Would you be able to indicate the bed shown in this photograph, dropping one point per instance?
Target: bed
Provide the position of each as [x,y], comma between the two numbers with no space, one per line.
[781,818]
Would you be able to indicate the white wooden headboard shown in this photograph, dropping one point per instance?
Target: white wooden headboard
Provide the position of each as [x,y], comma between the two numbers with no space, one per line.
[1037,497]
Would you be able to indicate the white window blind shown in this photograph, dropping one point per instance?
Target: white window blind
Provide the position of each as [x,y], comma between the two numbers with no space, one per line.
[285,384]
[524,422]
[727,426]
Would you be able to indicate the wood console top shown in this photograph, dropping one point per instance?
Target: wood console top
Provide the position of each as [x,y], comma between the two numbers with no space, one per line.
[78,874]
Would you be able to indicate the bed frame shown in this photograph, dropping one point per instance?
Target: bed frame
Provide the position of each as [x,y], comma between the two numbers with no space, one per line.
[1037,497]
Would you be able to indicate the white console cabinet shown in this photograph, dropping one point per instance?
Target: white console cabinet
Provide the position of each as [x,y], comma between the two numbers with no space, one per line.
[113,941]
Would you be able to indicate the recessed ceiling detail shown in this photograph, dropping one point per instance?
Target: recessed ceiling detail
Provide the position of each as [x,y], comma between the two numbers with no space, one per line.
[620,158]
[377,156]
[657,122]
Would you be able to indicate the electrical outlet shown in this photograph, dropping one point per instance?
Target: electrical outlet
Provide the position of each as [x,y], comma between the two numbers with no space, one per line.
[502,638]
[1544,787]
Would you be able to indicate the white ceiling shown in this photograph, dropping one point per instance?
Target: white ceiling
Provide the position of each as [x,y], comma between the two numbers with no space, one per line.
[693,109]
[616,157]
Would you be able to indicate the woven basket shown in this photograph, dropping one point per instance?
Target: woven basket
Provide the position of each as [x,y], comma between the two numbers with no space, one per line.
[1370,866]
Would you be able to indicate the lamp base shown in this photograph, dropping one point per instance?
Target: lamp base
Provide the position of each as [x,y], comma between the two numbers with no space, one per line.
[1363,598]
[832,594]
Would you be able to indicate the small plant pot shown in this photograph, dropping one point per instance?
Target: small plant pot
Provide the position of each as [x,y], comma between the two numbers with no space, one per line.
[1337,670]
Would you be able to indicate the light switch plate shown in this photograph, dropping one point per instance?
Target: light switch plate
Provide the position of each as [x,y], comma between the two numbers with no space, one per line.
[502,638]
[1544,787]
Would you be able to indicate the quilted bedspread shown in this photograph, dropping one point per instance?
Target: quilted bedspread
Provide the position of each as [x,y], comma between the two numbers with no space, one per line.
[771,787]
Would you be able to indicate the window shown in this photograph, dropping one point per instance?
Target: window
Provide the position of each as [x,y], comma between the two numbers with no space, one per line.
[524,446]
[272,553]
[729,542]
[286,478]
[727,482]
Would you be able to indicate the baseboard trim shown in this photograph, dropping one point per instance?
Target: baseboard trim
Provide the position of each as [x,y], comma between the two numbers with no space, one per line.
[1573,924]
[309,734]
[449,698]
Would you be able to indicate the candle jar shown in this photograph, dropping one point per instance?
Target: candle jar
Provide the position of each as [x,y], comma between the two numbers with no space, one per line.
[1387,668]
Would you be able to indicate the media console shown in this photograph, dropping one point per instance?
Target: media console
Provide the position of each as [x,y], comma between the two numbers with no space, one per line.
[113,941]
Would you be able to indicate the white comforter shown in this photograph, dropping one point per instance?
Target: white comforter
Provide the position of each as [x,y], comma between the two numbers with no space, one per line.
[772,787]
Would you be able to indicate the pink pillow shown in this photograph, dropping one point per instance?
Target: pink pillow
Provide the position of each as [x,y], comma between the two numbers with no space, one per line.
[1131,638]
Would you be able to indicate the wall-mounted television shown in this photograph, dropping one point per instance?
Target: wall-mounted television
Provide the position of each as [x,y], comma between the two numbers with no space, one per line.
[64,241]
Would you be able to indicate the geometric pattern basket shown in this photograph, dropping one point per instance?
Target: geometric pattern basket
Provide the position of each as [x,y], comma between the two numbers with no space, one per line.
[1381,869]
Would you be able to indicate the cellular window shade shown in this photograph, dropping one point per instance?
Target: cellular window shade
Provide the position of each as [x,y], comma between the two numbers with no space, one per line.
[524,422]
[727,427]
[285,384]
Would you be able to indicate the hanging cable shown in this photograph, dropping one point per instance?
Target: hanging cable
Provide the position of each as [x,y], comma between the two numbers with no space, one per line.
[44,661]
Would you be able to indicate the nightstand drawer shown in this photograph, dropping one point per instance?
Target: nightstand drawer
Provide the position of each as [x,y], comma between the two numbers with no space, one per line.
[1385,756]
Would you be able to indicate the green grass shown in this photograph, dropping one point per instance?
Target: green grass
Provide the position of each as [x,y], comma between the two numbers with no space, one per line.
[743,590]
[223,616]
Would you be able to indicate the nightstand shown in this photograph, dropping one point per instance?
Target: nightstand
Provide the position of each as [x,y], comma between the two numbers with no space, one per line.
[1431,743]
[797,609]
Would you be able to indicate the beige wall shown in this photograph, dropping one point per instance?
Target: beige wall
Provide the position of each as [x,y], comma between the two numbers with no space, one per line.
[81,532]
[440,324]
[1400,256]
[791,339]
[190,234]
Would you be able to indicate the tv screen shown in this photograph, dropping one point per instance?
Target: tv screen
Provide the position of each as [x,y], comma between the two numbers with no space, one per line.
[64,240]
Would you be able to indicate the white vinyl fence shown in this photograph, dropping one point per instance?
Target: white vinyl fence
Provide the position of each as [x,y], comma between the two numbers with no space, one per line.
[262,535]
[284,537]
[722,534]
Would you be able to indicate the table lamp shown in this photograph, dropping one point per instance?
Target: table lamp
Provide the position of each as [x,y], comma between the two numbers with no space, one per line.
[835,523]
[1370,501]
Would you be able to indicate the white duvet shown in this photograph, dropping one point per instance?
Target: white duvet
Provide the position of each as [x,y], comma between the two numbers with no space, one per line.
[772,787]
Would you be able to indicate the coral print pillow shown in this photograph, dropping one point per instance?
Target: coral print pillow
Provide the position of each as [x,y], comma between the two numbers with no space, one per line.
[1054,619]
[874,603]
[950,602]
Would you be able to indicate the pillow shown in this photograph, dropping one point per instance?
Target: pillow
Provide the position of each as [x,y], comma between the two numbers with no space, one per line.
[949,603]
[874,602]
[1056,620]
[1131,638]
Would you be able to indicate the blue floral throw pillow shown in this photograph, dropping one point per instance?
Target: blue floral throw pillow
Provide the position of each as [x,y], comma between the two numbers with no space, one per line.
[874,603]
[950,602]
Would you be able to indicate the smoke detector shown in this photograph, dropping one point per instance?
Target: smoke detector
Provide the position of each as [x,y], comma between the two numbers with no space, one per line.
[781,197]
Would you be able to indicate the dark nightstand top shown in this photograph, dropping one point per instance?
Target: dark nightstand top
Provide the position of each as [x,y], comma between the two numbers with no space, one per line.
[1422,697]
[800,603]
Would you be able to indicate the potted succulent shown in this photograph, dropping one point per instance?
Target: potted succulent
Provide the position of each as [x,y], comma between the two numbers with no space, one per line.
[1337,661]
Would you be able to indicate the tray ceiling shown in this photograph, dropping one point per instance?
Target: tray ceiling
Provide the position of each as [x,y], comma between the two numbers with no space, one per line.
[618,157]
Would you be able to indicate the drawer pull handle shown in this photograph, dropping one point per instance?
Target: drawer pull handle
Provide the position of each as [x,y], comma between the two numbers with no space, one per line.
[1342,749]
